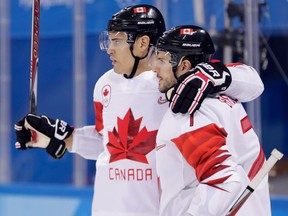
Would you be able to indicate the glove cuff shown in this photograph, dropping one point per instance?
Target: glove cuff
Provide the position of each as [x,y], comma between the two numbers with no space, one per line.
[56,148]
[218,73]
[62,130]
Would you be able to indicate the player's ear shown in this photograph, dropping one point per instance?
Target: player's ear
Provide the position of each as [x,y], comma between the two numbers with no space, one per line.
[141,46]
[186,65]
[144,42]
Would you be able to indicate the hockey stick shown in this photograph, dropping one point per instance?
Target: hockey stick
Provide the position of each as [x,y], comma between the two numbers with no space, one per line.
[34,55]
[275,156]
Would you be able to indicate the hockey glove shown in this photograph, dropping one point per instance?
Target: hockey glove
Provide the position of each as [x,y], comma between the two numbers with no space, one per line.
[50,134]
[189,92]
[23,135]
[194,86]
[218,73]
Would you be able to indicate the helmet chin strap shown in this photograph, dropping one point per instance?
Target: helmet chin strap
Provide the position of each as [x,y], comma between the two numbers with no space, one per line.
[136,63]
[174,69]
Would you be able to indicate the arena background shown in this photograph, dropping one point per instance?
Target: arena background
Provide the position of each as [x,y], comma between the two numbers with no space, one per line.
[71,61]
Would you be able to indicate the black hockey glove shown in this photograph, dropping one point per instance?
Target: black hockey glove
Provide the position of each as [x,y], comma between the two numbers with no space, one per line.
[194,86]
[23,135]
[189,92]
[49,134]
[218,73]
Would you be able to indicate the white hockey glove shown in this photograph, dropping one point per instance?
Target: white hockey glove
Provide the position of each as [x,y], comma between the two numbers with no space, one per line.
[44,133]
[194,86]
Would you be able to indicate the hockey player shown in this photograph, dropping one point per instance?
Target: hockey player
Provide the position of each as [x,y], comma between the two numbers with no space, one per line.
[204,160]
[128,109]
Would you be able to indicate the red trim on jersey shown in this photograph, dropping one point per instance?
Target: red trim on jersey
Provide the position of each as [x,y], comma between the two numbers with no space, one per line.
[191,120]
[258,163]
[233,64]
[214,60]
[98,108]
[229,64]
[235,210]
[201,149]
[245,124]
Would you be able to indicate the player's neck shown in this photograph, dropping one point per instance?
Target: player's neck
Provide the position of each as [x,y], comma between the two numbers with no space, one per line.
[142,67]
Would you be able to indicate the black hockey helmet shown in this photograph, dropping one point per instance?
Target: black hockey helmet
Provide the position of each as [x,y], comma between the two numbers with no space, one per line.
[137,20]
[189,41]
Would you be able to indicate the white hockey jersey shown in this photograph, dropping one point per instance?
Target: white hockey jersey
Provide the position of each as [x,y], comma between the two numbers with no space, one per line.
[128,114]
[206,160]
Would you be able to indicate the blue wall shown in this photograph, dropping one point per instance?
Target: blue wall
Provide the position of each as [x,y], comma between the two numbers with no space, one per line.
[32,200]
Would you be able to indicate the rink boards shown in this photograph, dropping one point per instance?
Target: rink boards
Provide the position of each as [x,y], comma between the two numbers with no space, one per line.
[47,200]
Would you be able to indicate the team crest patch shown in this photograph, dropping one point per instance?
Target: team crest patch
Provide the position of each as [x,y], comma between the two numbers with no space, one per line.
[106,95]
[140,10]
[187,31]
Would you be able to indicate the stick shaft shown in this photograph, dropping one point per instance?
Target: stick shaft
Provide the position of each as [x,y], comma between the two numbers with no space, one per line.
[267,166]
[34,55]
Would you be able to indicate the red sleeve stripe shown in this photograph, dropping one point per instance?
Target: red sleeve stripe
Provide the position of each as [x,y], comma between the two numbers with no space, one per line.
[233,64]
[201,149]
[258,163]
[98,108]
[245,124]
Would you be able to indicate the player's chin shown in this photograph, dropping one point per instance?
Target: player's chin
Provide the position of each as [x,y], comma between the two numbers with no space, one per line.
[113,63]
[162,88]
[116,68]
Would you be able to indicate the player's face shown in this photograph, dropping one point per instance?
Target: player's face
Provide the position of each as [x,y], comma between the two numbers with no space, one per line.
[119,51]
[161,64]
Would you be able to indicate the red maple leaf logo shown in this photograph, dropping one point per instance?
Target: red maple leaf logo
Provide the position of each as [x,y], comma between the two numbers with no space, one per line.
[130,143]
[106,92]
